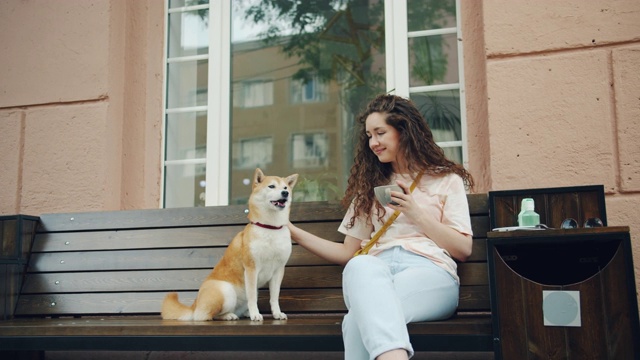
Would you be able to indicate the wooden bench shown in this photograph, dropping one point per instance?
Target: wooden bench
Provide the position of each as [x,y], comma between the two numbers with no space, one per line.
[95,281]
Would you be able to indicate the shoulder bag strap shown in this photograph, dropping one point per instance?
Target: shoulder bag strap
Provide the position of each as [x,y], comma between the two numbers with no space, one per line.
[390,220]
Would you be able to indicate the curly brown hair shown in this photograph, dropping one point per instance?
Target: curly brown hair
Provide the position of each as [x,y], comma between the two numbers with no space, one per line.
[417,146]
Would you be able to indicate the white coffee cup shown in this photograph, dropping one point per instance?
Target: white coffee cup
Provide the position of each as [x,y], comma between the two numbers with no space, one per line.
[383,193]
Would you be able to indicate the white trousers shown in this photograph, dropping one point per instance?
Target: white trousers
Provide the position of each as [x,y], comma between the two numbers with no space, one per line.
[385,292]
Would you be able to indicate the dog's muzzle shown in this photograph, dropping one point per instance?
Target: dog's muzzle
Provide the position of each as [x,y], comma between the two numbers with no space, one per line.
[281,203]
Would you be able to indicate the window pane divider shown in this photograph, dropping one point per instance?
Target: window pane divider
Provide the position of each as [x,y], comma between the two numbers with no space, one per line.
[185,162]
[187,58]
[188,8]
[397,61]
[463,101]
[186,109]
[432,88]
[448,144]
[163,132]
[432,32]
[219,105]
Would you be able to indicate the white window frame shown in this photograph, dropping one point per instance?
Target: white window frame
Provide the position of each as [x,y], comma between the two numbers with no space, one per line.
[219,95]
[218,126]
[397,63]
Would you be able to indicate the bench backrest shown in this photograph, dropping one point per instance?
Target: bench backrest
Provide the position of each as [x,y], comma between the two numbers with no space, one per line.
[124,262]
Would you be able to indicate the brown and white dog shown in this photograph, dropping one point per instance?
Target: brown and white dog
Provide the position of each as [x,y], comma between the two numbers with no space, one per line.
[256,256]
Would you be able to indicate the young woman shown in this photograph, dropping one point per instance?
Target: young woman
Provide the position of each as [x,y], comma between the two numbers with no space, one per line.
[410,274]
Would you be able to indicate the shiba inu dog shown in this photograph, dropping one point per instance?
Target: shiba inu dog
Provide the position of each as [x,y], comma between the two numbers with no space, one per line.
[256,256]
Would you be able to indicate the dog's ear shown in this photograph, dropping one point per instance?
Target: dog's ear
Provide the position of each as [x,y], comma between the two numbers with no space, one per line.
[291,180]
[258,177]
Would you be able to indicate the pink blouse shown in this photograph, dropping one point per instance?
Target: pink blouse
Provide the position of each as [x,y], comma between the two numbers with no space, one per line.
[443,197]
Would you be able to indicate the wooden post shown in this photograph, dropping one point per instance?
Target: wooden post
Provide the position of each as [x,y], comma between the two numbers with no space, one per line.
[16,238]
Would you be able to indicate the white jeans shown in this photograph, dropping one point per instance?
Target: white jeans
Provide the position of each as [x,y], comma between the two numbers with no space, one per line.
[385,292]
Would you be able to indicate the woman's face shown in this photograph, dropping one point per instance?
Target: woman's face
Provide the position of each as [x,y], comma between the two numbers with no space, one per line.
[384,139]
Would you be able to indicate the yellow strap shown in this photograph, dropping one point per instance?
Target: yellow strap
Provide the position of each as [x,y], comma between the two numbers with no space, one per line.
[391,219]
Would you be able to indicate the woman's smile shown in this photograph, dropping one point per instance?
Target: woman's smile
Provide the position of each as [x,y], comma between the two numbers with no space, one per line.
[384,139]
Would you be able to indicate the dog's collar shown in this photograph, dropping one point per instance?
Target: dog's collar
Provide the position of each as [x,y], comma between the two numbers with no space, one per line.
[267,226]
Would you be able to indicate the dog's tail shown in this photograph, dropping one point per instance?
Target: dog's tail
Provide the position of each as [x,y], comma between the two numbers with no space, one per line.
[173,309]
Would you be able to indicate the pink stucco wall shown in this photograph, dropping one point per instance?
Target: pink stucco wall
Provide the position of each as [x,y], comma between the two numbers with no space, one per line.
[552,87]
[563,91]
[80,105]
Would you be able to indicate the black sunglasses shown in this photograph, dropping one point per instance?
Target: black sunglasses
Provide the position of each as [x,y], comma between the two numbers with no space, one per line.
[570,223]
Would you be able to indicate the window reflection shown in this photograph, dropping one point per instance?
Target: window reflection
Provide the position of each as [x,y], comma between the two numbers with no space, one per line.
[313,90]
[433,60]
[441,109]
[188,34]
[188,82]
[299,76]
[253,93]
[253,153]
[430,14]
[310,150]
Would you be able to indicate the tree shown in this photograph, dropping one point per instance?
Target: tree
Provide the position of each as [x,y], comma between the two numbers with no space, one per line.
[334,40]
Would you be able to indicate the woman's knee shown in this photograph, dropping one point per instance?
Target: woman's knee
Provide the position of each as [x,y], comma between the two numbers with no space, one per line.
[362,263]
[360,273]
[428,300]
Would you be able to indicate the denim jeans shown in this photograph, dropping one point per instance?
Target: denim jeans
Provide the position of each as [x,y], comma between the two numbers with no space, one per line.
[385,292]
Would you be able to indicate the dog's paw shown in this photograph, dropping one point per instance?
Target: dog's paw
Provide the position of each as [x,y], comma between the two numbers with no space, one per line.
[228,316]
[280,316]
[256,317]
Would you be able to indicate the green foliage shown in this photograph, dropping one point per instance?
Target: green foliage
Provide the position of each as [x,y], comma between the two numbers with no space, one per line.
[334,40]
[320,188]
[337,40]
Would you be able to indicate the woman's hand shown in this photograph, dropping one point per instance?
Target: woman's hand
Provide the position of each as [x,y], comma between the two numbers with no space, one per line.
[335,252]
[457,244]
[405,201]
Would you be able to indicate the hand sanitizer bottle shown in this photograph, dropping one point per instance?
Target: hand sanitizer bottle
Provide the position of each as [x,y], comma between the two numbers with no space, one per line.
[527,215]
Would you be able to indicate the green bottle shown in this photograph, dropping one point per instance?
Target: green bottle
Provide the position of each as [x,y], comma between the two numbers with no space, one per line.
[527,215]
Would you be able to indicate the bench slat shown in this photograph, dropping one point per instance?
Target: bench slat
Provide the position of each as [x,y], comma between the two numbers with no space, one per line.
[182,237]
[189,258]
[480,225]
[329,276]
[136,239]
[299,333]
[158,238]
[478,204]
[199,216]
[203,258]
[472,298]
[479,251]
[153,325]
[306,300]
[177,217]
[165,280]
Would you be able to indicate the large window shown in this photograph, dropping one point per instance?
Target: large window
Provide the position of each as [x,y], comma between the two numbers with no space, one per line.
[277,85]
